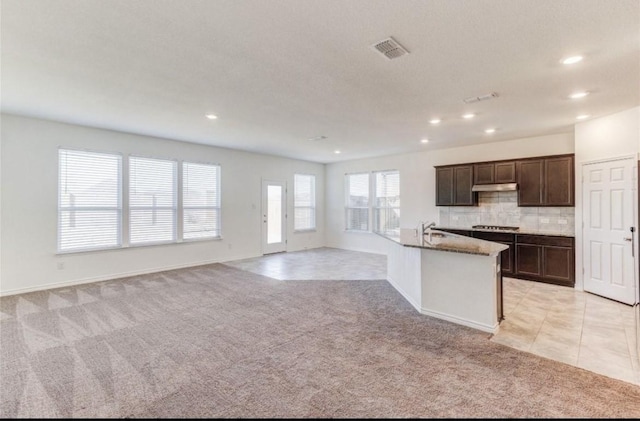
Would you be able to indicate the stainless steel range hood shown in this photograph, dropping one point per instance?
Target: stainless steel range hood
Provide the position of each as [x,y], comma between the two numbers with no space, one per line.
[495,187]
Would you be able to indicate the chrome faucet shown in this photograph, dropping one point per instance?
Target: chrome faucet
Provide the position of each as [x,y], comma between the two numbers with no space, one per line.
[427,229]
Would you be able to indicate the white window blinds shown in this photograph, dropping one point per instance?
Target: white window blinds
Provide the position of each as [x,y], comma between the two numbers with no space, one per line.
[200,200]
[152,200]
[387,202]
[89,200]
[304,206]
[357,202]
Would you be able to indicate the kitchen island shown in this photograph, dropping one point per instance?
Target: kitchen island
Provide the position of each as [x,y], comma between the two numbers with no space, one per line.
[448,276]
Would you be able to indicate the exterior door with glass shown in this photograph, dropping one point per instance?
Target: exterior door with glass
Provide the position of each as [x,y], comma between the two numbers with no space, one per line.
[274,216]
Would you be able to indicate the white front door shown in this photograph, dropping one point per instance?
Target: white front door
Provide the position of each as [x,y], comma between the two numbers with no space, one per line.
[274,200]
[608,224]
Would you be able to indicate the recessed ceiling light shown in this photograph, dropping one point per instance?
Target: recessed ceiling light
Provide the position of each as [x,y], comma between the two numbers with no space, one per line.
[582,116]
[211,116]
[489,131]
[468,116]
[336,151]
[578,95]
[435,121]
[572,60]
[425,140]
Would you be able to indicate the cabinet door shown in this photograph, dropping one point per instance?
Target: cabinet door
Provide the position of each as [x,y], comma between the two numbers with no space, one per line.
[529,260]
[505,172]
[559,181]
[530,182]
[507,259]
[463,177]
[558,264]
[444,186]
[483,173]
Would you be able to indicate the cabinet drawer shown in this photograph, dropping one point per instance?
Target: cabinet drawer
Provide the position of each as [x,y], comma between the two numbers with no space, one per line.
[501,237]
[466,233]
[544,240]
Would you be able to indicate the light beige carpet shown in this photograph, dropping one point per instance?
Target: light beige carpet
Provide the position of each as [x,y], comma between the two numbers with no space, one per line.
[215,341]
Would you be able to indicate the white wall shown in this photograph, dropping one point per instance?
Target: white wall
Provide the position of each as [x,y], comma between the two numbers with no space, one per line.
[417,182]
[29,176]
[612,136]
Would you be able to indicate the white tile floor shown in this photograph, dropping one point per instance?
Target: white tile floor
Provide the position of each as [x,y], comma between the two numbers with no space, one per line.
[323,263]
[555,322]
[574,327]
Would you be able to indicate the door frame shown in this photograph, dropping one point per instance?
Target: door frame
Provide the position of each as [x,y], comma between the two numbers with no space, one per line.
[581,221]
[263,211]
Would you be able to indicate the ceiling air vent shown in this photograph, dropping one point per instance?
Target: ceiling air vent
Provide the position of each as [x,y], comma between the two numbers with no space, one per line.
[318,138]
[390,48]
[480,98]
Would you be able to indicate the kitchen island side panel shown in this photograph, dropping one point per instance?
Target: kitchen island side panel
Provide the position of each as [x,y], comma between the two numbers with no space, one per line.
[461,288]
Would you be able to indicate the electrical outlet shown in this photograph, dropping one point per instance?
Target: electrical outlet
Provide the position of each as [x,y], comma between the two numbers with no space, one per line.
[562,221]
[454,217]
[60,265]
[544,220]
[229,245]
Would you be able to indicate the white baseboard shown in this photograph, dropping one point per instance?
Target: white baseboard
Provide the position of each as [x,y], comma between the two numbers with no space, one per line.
[115,276]
[480,326]
[403,293]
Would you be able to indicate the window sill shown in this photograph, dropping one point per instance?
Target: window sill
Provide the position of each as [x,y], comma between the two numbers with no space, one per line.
[137,246]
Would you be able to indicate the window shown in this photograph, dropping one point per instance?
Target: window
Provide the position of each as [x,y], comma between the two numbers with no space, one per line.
[89,200]
[387,202]
[152,200]
[384,186]
[200,200]
[357,206]
[304,202]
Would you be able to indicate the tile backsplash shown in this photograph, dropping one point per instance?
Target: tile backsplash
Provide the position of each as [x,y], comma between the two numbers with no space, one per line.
[501,208]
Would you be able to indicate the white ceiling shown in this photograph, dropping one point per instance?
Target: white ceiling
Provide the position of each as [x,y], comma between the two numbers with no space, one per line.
[278,72]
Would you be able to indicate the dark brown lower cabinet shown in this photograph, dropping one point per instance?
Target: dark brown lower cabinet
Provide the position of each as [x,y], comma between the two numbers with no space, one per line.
[507,256]
[529,260]
[541,258]
[547,259]
[558,264]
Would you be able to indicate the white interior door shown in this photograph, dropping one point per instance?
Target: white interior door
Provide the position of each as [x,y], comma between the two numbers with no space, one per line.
[608,221]
[274,200]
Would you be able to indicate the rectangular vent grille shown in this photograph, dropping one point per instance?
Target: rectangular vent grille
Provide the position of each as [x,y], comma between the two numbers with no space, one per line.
[390,48]
[480,98]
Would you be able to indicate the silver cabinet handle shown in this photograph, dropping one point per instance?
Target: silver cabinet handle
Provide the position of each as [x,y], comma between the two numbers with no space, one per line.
[627,238]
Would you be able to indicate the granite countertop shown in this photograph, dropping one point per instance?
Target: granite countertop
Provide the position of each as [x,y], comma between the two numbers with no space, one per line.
[445,241]
[520,231]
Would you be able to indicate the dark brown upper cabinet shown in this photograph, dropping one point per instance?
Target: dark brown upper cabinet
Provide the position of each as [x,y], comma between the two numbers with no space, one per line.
[444,186]
[484,173]
[559,181]
[530,182]
[453,186]
[546,181]
[463,181]
[542,181]
[505,172]
[494,172]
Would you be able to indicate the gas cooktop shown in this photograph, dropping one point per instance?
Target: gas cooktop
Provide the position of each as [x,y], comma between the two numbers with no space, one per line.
[495,227]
